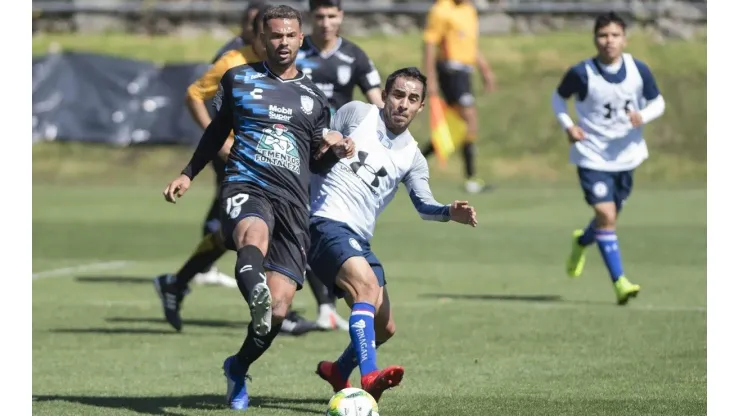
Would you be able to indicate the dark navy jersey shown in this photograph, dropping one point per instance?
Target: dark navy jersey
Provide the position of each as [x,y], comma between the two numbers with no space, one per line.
[338,71]
[278,126]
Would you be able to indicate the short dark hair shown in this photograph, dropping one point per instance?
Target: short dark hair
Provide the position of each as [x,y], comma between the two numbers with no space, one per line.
[281,12]
[603,20]
[315,4]
[258,18]
[408,72]
[252,6]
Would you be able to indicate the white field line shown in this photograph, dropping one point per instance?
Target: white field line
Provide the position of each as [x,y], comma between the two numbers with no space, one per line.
[65,271]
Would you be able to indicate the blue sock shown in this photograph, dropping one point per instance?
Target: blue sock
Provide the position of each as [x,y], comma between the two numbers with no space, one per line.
[589,235]
[347,362]
[609,247]
[362,334]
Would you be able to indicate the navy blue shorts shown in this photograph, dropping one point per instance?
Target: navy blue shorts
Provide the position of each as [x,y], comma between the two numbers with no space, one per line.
[288,225]
[599,186]
[332,243]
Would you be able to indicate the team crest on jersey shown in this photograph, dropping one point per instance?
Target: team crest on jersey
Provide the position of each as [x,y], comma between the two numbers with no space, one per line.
[383,140]
[277,147]
[344,73]
[355,245]
[306,104]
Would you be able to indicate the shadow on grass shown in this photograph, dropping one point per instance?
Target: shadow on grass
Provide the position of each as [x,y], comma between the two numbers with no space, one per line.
[158,405]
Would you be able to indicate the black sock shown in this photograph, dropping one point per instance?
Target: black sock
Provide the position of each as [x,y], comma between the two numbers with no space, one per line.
[469,155]
[209,250]
[249,270]
[320,292]
[254,346]
[428,150]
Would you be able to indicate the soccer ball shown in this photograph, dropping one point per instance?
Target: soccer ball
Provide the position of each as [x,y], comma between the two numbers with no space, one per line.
[352,402]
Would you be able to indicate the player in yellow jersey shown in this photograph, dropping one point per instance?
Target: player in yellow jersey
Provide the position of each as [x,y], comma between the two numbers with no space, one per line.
[450,55]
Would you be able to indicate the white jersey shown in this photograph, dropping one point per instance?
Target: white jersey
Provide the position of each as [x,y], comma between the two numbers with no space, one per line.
[355,191]
[605,96]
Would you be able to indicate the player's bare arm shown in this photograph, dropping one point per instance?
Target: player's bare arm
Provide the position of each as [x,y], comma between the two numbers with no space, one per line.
[198,110]
[374,96]
[430,59]
[489,78]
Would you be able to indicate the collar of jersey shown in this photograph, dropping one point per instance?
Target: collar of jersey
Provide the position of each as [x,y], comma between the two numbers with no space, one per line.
[274,75]
[328,54]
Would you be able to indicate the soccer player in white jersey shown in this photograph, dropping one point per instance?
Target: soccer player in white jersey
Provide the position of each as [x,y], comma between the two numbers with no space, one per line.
[345,204]
[615,95]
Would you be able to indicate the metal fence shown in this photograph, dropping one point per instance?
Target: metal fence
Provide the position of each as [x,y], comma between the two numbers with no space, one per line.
[218,7]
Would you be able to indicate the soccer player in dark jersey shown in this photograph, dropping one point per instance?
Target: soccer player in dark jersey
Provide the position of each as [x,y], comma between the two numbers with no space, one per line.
[281,135]
[337,66]
[211,247]
[200,268]
[198,101]
[333,63]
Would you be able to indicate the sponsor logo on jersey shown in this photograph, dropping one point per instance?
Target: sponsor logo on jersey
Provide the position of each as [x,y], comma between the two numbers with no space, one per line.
[280,113]
[277,147]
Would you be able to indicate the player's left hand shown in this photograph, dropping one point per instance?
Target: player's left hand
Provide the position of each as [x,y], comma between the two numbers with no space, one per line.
[331,138]
[345,148]
[635,118]
[463,213]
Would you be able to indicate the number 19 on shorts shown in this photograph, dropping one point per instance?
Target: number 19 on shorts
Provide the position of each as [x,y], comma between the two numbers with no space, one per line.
[234,204]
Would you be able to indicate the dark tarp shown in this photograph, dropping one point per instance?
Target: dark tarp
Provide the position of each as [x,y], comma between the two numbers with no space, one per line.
[102,99]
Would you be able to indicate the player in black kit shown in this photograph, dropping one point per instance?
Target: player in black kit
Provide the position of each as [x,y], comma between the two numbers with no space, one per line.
[281,135]
[336,66]
[333,63]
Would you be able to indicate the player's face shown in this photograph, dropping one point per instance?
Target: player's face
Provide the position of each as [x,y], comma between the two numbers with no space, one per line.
[282,38]
[327,22]
[610,42]
[402,103]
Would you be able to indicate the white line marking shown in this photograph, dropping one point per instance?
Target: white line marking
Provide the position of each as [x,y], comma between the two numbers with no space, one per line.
[65,271]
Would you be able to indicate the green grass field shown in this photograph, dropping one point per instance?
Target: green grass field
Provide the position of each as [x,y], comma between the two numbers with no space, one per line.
[488,323]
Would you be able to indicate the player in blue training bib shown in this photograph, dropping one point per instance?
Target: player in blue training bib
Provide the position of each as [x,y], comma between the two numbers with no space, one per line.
[615,96]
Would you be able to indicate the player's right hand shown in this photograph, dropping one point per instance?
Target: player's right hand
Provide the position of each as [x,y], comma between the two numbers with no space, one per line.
[575,134]
[462,212]
[176,189]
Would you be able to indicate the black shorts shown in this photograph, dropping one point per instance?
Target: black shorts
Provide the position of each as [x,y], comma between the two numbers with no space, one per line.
[287,221]
[212,222]
[455,85]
